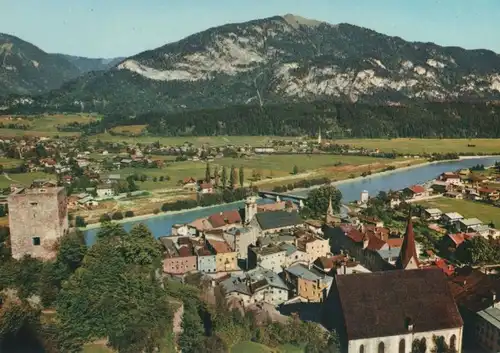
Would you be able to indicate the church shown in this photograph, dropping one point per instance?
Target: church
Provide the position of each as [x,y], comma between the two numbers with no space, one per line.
[405,310]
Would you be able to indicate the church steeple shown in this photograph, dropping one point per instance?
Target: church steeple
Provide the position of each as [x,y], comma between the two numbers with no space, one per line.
[408,257]
[329,211]
[319,137]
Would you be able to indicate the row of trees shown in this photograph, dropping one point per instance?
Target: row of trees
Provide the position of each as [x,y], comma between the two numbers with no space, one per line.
[221,177]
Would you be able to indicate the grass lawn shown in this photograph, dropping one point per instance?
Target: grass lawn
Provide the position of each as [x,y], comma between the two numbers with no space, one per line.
[9,133]
[251,347]
[415,145]
[10,162]
[97,348]
[23,178]
[468,209]
[195,140]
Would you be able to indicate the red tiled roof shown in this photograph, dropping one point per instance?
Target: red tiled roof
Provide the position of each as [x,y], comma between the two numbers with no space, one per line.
[486,190]
[417,189]
[218,220]
[375,243]
[232,216]
[220,247]
[395,242]
[380,304]
[408,248]
[325,263]
[189,180]
[449,175]
[473,289]
[185,251]
[459,238]
[445,267]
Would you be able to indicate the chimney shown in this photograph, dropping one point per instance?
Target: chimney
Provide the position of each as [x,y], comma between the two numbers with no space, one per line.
[409,324]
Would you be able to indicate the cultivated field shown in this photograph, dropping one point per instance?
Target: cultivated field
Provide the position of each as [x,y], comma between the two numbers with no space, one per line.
[9,162]
[468,209]
[23,178]
[416,146]
[42,125]
[271,168]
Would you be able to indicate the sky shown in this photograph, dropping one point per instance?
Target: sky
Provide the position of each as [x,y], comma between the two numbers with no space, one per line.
[112,28]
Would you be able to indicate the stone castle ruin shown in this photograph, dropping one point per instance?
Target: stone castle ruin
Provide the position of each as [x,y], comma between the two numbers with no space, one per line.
[38,217]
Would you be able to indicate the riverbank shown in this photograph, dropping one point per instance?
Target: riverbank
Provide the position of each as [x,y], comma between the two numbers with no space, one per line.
[149,216]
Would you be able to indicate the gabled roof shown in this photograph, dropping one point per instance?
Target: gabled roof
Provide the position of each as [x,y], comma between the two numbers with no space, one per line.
[381,304]
[417,189]
[278,219]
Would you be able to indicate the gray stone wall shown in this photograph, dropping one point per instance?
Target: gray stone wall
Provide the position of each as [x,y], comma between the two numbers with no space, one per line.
[37,219]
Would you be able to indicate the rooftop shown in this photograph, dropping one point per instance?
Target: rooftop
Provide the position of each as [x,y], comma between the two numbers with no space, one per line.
[309,274]
[433,211]
[492,315]
[454,215]
[267,250]
[278,219]
[220,247]
[471,222]
[392,298]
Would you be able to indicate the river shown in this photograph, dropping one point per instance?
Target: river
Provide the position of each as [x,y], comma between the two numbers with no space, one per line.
[351,190]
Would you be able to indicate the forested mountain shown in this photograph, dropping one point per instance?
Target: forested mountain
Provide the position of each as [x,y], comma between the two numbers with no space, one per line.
[284,59]
[27,70]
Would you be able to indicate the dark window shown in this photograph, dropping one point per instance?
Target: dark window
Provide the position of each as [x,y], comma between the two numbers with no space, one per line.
[362,349]
[453,342]
[36,241]
[402,346]
[33,203]
[381,347]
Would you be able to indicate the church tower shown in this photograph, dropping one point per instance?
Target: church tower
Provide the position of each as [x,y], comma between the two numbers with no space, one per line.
[408,257]
[319,137]
[250,208]
[329,212]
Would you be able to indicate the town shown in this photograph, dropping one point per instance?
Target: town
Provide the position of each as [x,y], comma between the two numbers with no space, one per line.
[416,263]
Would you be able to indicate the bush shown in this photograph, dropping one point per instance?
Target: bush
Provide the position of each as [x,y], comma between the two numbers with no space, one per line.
[80,221]
[129,214]
[117,215]
[104,218]
[156,211]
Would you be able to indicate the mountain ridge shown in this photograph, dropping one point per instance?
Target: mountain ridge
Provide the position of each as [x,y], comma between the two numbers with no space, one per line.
[27,69]
[284,59]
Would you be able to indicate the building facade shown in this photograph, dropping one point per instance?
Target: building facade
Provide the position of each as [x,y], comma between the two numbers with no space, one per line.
[239,239]
[269,257]
[38,218]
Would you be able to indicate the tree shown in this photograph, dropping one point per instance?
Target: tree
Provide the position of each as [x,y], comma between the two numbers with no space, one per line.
[104,218]
[192,336]
[80,221]
[155,179]
[115,294]
[224,177]
[440,345]
[241,175]
[208,175]
[129,214]
[419,346]
[318,199]
[232,177]
[295,170]
[117,215]
[216,176]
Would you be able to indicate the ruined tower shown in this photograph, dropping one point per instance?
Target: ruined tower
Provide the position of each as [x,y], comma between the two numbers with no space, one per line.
[38,217]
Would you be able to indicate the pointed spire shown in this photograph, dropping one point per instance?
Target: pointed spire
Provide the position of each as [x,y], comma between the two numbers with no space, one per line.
[408,257]
[329,211]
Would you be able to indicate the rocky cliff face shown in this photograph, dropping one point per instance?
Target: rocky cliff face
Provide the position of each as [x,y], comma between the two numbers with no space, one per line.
[287,58]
